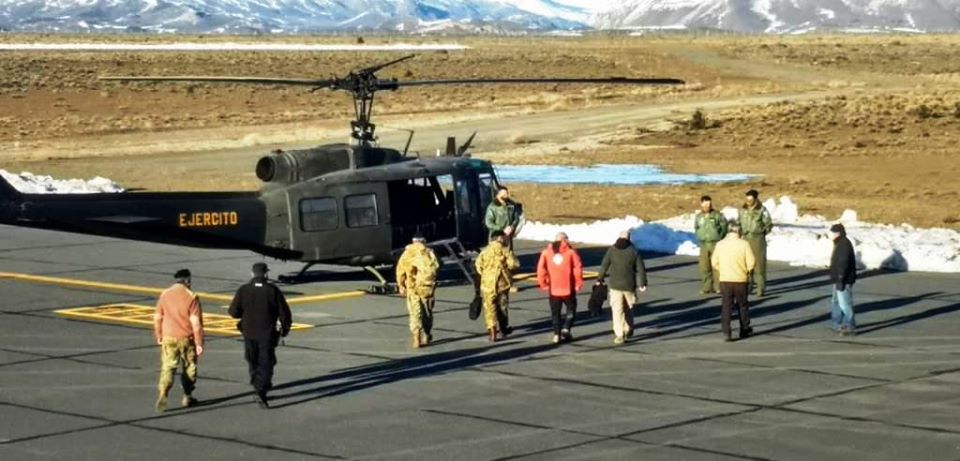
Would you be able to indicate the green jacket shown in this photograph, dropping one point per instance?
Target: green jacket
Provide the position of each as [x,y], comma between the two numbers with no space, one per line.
[625,267]
[710,226]
[498,216]
[755,222]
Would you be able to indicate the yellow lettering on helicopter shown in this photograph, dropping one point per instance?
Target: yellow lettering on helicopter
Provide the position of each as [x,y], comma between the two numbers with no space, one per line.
[209,219]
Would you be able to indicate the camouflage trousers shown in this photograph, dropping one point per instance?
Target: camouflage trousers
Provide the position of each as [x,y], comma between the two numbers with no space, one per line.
[173,353]
[495,310]
[420,309]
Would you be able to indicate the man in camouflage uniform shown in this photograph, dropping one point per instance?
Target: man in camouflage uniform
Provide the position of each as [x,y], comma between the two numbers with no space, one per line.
[755,224]
[710,226]
[417,278]
[495,265]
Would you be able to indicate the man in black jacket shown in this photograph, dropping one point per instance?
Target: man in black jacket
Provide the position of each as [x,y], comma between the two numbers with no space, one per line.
[625,274]
[259,304]
[843,274]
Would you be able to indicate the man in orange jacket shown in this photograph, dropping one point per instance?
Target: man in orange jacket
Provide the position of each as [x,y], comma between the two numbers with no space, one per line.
[560,273]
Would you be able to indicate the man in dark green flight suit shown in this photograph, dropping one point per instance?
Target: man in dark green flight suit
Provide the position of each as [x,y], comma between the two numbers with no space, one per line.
[755,224]
[710,227]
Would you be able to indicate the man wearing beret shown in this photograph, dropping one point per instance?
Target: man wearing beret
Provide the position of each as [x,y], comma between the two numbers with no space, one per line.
[178,329]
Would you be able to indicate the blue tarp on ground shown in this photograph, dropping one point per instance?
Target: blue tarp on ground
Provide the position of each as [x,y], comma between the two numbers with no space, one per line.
[607,174]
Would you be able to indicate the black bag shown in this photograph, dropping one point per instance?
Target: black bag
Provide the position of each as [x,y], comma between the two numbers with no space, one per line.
[597,296]
[475,307]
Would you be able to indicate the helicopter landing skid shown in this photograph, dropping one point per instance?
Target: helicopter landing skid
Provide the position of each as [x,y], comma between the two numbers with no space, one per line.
[299,277]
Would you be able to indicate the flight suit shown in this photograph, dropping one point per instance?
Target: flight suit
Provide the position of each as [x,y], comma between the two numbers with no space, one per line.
[710,227]
[755,224]
[417,278]
[494,265]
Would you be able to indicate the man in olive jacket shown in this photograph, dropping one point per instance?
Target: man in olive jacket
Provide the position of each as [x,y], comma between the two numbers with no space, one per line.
[755,224]
[710,226]
[623,271]
[502,215]
[259,304]
[843,274]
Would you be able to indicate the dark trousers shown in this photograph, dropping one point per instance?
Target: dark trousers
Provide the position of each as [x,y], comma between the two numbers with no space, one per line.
[261,358]
[560,319]
[734,293]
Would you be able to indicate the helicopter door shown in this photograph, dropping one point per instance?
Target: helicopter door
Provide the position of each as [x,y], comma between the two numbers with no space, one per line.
[470,212]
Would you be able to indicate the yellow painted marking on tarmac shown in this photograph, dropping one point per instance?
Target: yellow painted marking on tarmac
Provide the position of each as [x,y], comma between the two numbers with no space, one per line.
[141,290]
[532,276]
[326,297]
[142,316]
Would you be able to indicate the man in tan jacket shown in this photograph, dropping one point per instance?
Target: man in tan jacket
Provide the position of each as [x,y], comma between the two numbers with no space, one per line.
[178,329]
[733,260]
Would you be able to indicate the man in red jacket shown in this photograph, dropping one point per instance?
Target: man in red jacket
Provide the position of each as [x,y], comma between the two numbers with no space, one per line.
[560,273]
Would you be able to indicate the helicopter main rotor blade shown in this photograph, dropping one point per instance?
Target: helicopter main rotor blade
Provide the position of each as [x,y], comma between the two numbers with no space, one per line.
[392,85]
[202,79]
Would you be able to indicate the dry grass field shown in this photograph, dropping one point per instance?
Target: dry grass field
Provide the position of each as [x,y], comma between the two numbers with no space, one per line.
[869,123]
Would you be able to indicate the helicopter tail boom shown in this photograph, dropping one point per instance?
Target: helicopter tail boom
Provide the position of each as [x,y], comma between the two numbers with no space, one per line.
[8,198]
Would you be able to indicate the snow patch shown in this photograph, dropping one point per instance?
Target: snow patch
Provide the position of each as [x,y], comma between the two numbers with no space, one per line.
[800,240]
[28,183]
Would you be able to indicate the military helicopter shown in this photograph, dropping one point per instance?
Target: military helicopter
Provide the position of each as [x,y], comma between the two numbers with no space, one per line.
[353,204]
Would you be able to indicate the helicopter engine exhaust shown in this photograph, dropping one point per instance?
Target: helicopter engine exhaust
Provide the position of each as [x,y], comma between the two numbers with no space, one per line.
[289,167]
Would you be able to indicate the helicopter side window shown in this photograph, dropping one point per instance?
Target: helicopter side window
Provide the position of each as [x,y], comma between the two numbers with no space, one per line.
[361,210]
[318,214]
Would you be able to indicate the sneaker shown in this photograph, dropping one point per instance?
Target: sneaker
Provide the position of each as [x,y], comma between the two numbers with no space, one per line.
[565,334]
[618,340]
[161,404]
[555,339]
[188,401]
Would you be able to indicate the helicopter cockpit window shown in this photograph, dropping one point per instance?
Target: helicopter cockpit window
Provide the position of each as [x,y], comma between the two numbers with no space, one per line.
[487,188]
[361,210]
[318,214]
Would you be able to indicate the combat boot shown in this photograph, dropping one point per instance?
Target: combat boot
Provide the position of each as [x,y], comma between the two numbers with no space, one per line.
[161,404]
[189,401]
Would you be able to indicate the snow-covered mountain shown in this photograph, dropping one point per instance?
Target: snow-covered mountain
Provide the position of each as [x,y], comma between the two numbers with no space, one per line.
[293,16]
[290,16]
[784,16]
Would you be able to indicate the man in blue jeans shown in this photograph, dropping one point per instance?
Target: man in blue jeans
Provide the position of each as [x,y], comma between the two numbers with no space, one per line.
[843,274]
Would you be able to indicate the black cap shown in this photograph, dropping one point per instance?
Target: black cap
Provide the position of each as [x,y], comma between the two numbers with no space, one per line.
[753,193]
[837,228]
[182,274]
[418,236]
[704,198]
[260,269]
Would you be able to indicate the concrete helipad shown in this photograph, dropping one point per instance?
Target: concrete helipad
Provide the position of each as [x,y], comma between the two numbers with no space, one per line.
[351,388]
